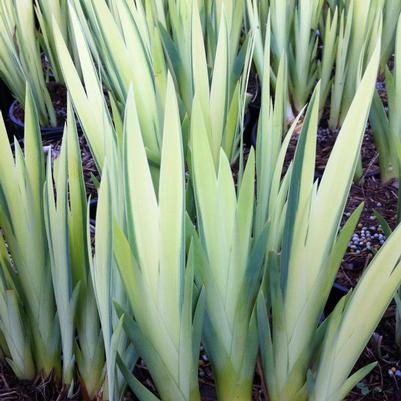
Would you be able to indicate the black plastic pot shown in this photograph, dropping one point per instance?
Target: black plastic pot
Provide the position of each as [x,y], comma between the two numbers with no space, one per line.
[336,293]
[254,134]
[248,124]
[47,133]
[252,114]
[251,124]
[92,211]
[6,98]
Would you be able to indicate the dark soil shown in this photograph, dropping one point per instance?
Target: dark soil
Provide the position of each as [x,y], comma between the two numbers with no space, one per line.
[12,389]
[384,382]
[58,95]
[88,163]
[206,383]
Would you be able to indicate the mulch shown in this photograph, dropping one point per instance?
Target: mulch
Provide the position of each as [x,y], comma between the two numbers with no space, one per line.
[382,384]
[42,389]
[58,95]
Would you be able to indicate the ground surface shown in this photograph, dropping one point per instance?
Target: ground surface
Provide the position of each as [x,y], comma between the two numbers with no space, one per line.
[384,382]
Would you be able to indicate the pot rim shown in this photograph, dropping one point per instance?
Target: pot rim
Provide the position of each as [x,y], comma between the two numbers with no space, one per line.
[20,124]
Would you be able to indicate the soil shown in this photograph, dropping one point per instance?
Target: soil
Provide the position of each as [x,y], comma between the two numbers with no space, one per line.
[88,164]
[12,389]
[58,95]
[384,382]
